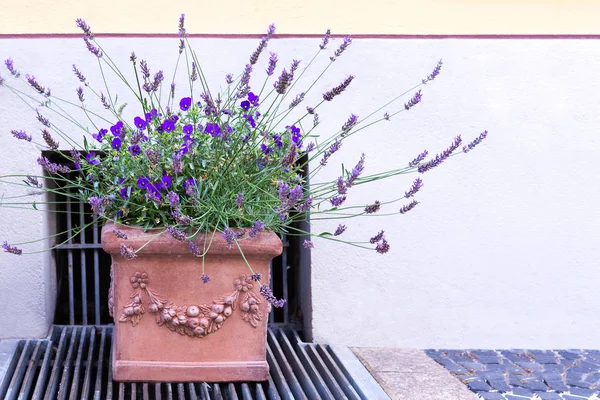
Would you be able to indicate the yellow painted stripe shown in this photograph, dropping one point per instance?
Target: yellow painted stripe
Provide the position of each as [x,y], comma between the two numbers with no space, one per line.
[305,16]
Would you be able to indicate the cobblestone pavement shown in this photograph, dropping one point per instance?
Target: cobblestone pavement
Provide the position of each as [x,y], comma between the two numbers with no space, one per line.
[525,374]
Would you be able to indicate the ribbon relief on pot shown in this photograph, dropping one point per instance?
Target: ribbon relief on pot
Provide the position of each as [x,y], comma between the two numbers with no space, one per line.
[194,320]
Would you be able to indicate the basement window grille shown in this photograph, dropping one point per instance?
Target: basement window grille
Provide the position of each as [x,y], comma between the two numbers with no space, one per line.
[83,268]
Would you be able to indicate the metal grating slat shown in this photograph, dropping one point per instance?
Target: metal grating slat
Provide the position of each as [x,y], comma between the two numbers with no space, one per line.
[40,348]
[74,363]
[20,370]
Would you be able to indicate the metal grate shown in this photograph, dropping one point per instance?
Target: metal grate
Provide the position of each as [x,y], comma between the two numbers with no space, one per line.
[74,363]
[84,275]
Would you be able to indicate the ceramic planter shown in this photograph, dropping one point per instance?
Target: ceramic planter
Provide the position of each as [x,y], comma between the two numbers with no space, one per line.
[171,327]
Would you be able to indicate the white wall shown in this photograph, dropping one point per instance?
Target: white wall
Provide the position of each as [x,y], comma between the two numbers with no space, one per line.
[500,252]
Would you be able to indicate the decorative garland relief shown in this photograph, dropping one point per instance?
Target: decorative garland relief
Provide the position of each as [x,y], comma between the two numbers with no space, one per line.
[194,320]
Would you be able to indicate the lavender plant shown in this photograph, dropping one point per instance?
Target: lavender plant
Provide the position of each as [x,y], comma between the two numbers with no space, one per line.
[233,161]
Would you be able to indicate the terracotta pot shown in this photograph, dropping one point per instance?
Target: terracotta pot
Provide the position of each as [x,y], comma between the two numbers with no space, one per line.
[172,327]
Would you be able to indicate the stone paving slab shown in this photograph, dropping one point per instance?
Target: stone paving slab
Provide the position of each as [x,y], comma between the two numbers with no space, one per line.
[525,374]
[409,374]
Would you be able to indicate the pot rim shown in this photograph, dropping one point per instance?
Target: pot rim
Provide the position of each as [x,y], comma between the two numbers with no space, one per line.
[266,244]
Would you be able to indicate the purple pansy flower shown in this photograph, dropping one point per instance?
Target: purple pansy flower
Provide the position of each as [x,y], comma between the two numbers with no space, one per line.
[185,103]
[188,129]
[134,150]
[140,122]
[245,105]
[91,158]
[168,125]
[116,143]
[253,99]
[98,136]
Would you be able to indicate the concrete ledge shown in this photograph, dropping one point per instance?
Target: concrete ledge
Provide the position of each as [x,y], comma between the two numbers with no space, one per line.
[409,374]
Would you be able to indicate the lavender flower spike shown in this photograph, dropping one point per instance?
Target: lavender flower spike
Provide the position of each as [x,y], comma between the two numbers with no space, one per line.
[373,208]
[406,208]
[11,68]
[417,184]
[340,229]
[93,49]
[418,159]
[120,234]
[475,142]
[308,244]
[414,101]
[194,249]
[52,144]
[342,48]
[81,24]
[33,181]
[176,233]
[356,171]
[11,249]
[79,91]
[21,135]
[435,73]
[267,293]
[79,75]
[42,119]
[239,200]
[376,238]
[382,247]
[352,120]
[256,276]
[205,278]
[325,39]
[329,95]
[441,157]
[127,252]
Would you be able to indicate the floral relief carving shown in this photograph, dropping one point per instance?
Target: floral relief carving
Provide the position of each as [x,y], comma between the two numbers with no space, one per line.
[193,320]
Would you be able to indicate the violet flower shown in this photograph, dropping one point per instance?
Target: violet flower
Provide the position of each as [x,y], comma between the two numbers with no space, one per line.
[205,278]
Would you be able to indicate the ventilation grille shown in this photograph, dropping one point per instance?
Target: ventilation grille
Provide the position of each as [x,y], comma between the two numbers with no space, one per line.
[74,363]
[83,268]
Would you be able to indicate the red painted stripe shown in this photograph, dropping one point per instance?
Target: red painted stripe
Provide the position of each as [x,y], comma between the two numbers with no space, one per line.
[294,36]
